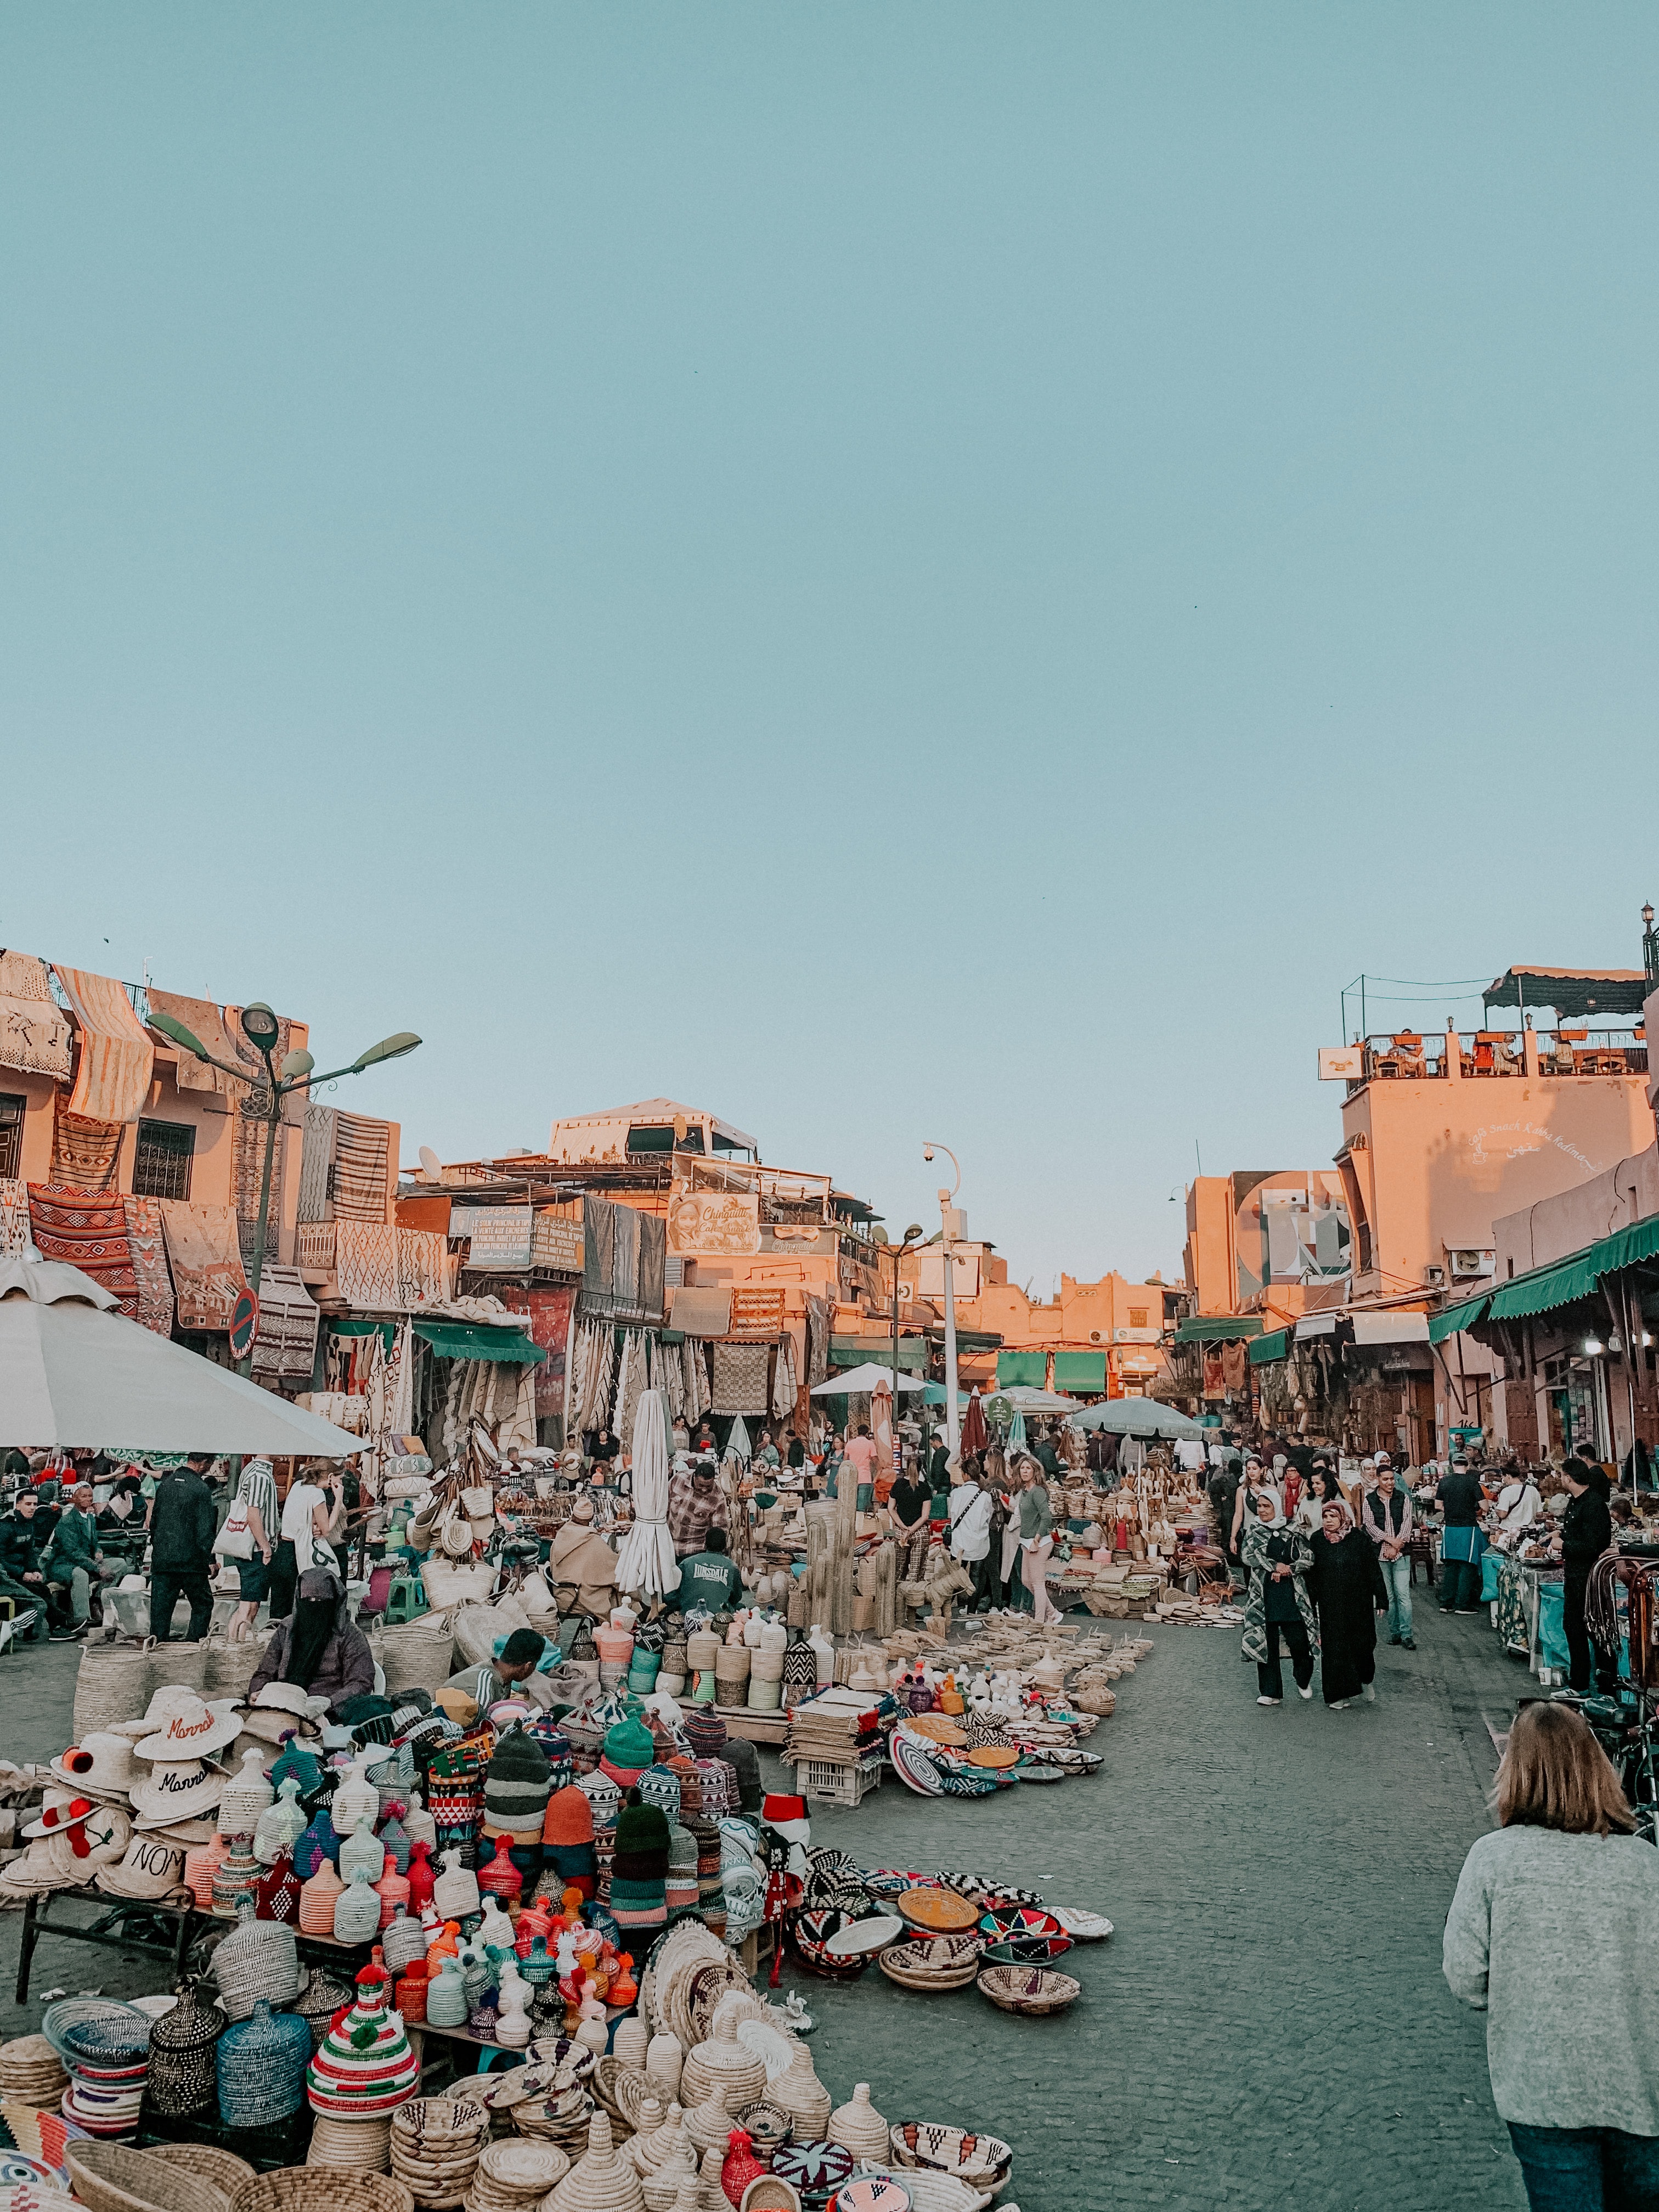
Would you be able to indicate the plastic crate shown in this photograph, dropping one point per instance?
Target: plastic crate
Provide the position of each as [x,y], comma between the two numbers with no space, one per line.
[828,1781]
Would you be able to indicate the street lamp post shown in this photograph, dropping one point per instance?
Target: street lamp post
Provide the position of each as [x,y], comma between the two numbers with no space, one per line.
[896,1252]
[261,1029]
[954,1226]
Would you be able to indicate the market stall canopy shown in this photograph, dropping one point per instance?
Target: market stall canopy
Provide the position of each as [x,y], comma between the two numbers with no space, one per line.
[1137,1417]
[459,1339]
[1571,991]
[75,1374]
[857,1380]
[1560,1283]
[1217,1328]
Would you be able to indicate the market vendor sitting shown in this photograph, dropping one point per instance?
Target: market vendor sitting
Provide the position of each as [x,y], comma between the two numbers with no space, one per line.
[708,1578]
[21,1576]
[76,1562]
[318,1646]
[582,1567]
[513,1675]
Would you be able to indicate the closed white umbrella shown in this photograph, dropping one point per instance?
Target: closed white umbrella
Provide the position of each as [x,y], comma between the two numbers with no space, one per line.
[646,1561]
[75,1374]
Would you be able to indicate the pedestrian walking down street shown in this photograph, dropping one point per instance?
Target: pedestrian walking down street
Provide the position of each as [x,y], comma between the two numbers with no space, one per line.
[1585,1533]
[1276,1604]
[1553,1933]
[1347,1588]
[1222,1489]
[182,1527]
[1388,1523]
[1323,1490]
[1462,1543]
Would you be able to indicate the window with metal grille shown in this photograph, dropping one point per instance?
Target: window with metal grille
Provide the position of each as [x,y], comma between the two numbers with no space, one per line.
[161,1168]
[11,1135]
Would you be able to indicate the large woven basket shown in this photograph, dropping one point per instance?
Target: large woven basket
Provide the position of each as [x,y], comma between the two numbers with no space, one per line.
[1031,1992]
[221,2169]
[321,2189]
[110,2177]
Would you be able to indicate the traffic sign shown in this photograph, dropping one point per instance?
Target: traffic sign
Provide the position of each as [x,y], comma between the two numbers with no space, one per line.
[244,1323]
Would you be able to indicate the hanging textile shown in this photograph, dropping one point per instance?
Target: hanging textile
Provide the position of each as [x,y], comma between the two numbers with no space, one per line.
[316,1160]
[86,1230]
[361,1150]
[401,1417]
[249,1165]
[652,1292]
[423,1267]
[636,1385]
[1235,1367]
[285,1345]
[84,1153]
[1214,1384]
[625,1259]
[740,1378]
[206,1261]
[14,1215]
[517,1432]
[598,1392]
[818,1341]
[737,1446]
[365,1265]
[690,1361]
[206,1025]
[116,1057]
[783,1379]
[671,1368]
[548,1313]
[150,1263]
[34,1031]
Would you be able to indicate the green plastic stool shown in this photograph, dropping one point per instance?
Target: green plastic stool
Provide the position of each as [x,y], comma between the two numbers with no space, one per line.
[406,1599]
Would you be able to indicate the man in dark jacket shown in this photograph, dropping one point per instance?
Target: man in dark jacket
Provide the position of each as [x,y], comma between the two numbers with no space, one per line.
[75,1562]
[1586,1532]
[1460,1546]
[21,1576]
[182,1526]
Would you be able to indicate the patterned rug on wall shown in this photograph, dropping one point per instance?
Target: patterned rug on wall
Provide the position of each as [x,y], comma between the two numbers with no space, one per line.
[86,1230]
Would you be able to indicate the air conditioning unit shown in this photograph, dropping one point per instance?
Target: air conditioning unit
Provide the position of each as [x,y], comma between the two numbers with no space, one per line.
[1094,1336]
[1435,1277]
[1465,1264]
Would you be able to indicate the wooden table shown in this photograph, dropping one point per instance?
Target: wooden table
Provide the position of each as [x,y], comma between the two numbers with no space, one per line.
[163,1931]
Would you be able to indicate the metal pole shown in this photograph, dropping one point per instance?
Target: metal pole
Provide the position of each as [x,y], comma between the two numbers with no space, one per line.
[952,1418]
[896,1395]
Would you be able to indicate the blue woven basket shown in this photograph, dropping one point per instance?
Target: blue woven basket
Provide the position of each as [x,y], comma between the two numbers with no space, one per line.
[261,2067]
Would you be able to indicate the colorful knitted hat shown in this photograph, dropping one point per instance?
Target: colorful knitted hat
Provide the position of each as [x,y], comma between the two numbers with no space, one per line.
[365,2066]
[643,1832]
[628,1748]
[516,1788]
[660,1786]
[705,1734]
[568,1819]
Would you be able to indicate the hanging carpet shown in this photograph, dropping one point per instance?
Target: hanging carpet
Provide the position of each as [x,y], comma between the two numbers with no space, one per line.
[113,1065]
[150,1263]
[740,1377]
[34,1031]
[86,1230]
[206,1261]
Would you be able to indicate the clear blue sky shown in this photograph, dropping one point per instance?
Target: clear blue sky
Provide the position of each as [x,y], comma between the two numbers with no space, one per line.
[946,571]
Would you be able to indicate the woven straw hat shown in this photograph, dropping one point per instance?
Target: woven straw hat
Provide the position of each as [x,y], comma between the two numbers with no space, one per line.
[100,1765]
[191,1730]
[176,1790]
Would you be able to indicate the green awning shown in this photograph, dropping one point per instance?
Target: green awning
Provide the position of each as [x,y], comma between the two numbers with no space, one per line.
[1079,1371]
[1462,1316]
[354,1328]
[459,1339]
[1264,1348]
[1031,1367]
[1562,1283]
[853,1351]
[1218,1328]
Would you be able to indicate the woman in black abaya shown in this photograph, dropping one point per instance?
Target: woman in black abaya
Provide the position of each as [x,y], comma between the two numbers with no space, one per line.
[1346,1587]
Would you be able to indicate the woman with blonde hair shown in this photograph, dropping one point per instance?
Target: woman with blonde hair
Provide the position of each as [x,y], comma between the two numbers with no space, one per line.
[1553,1932]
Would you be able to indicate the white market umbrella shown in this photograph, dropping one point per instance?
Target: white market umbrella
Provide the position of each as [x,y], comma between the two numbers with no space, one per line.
[736,1443]
[1026,1397]
[73,1373]
[869,1378]
[1138,1416]
[646,1560]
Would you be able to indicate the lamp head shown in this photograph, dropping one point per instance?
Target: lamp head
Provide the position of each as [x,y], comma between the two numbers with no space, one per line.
[260,1026]
[927,1152]
[176,1033]
[297,1065]
[914,1229]
[1647,916]
[392,1047]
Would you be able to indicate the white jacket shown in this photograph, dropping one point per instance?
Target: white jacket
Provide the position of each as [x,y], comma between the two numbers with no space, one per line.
[971,1522]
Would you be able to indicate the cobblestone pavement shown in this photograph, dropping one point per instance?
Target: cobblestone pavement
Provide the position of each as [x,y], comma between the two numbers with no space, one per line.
[1267,2025]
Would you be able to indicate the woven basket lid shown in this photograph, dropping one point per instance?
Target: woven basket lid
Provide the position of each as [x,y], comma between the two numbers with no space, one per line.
[365,2066]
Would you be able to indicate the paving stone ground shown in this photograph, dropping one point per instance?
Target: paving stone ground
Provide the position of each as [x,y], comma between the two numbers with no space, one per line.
[1267,2025]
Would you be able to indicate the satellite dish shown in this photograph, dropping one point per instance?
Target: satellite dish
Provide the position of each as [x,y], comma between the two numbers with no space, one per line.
[429,1168]
[878,1235]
